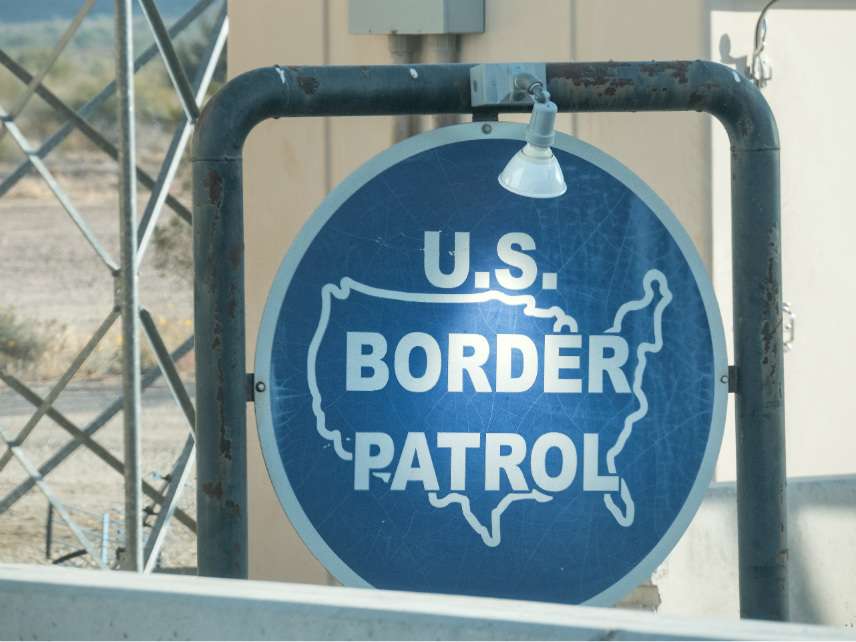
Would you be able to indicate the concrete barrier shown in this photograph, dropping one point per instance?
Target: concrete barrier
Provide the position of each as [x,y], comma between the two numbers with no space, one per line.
[51,603]
[699,578]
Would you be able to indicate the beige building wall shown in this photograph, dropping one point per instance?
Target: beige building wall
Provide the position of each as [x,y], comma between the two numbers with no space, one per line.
[809,45]
[291,163]
[670,151]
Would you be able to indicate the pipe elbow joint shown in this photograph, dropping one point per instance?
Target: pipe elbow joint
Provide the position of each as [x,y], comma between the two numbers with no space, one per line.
[738,104]
[242,103]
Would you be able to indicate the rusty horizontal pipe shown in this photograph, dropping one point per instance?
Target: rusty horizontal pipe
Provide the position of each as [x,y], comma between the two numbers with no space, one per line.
[278,92]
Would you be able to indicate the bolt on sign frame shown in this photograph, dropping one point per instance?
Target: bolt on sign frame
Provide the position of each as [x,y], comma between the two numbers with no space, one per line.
[757,378]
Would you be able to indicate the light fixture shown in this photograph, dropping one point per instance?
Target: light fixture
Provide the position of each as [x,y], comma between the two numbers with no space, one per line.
[534,171]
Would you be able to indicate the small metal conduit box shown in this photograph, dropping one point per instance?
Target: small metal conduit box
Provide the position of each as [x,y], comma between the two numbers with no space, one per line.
[411,17]
[493,84]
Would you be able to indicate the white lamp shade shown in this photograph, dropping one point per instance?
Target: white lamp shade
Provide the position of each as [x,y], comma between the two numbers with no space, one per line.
[534,172]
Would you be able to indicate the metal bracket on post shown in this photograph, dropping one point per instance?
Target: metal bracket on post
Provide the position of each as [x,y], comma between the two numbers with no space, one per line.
[493,85]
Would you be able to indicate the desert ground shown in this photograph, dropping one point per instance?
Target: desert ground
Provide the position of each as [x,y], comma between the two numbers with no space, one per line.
[58,292]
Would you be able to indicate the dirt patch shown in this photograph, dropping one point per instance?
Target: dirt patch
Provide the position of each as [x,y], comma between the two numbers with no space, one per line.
[58,287]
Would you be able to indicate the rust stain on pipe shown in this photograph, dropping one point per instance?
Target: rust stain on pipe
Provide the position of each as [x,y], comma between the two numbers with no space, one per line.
[213,489]
[214,184]
[308,84]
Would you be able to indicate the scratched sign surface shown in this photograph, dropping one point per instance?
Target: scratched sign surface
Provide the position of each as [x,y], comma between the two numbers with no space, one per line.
[468,391]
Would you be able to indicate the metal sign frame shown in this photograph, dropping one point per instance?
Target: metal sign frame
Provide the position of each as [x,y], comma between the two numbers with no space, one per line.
[757,378]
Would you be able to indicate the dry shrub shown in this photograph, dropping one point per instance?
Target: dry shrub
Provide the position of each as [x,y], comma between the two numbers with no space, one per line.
[173,248]
[22,344]
[43,351]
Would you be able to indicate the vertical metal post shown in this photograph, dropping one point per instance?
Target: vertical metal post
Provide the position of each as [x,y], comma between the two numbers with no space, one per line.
[49,533]
[759,352]
[133,556]
[221,431]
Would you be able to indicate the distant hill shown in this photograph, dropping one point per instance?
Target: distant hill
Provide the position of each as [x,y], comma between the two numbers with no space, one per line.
[18,11]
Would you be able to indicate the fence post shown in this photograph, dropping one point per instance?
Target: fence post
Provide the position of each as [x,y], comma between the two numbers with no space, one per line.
[133,557]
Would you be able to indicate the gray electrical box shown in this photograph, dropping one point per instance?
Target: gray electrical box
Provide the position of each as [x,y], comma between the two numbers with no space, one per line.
[411,17]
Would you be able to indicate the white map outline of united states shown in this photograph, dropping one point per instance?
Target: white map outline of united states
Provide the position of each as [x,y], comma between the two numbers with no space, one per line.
[492,535]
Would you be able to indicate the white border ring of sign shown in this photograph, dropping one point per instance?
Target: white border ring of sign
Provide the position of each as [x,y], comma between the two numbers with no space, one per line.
[386,159]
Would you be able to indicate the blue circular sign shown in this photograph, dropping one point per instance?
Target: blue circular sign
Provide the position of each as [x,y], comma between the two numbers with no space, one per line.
[473,392]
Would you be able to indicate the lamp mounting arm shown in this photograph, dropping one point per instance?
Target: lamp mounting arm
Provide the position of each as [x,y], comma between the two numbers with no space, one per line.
[532,86]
